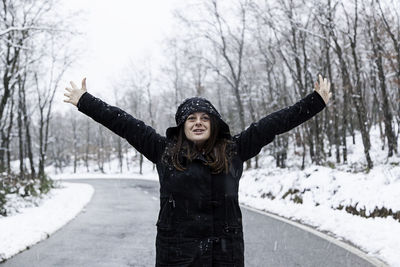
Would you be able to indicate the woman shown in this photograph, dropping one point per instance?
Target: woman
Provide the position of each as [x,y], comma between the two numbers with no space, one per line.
[199,165]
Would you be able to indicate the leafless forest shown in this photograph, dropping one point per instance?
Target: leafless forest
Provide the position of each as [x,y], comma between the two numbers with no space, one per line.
[34,58]
[249,58]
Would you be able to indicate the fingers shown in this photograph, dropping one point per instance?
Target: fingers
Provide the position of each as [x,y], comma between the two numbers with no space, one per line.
[74,93]
[320,79]
[323,84]
[69,97]
[323,88]
[316,86]
[84,84]
[68,101]
[73,85]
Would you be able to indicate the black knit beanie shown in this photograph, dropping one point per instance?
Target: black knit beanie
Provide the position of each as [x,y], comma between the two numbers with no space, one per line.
[197,104]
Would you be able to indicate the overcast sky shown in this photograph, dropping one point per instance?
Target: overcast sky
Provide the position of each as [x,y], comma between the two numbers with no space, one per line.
[115,33]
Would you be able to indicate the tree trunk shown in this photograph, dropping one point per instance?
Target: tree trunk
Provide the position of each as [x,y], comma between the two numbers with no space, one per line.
[8,137]
[75,142]
[344,124]
[357,98]
[26,120]
[86,157]
[20,135]
[119,152]
[100,149]
[387,114]
[141,163]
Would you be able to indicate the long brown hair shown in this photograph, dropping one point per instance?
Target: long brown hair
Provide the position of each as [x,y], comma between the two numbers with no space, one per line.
[215,150]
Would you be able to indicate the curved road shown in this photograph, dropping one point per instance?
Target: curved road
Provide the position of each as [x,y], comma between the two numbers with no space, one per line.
[117,228]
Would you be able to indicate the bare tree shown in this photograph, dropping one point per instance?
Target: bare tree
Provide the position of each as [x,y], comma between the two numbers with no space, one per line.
[391,26]
[45,95]
[375,31]
[349,89]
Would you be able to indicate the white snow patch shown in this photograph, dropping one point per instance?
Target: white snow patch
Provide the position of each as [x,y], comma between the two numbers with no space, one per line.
[111,170]
[30,225]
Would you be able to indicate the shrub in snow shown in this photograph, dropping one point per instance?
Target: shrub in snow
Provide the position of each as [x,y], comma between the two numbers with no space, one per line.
[16,192]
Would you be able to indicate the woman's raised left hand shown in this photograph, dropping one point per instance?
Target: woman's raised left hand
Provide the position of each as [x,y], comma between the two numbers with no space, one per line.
[322,87]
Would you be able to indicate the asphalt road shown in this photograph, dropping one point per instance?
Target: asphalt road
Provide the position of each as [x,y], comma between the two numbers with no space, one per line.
[117,228]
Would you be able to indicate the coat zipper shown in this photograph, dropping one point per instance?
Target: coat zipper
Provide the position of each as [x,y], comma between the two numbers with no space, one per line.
[226,227]
[171,200]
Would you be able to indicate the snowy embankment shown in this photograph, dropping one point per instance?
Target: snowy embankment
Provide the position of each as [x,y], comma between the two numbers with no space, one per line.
[377,236]
[33,221]
[335,200]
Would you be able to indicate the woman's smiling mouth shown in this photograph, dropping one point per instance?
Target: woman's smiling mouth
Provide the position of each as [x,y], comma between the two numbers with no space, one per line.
[198,131]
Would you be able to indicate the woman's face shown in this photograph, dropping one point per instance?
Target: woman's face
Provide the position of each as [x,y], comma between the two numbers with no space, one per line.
[197,127]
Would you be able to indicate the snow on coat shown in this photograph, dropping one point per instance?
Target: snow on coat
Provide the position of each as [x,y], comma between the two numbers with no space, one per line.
[200,221]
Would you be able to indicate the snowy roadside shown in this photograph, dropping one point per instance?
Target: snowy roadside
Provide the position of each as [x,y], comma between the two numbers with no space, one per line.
[111,170]
[78,176]
[31,225]
[319,196]
[378,237]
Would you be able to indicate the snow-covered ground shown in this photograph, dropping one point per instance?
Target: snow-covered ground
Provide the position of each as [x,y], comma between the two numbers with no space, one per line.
[111,170]
[35,220]
[321,190]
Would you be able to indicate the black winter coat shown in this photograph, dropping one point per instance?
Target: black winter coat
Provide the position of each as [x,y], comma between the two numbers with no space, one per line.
[200,222]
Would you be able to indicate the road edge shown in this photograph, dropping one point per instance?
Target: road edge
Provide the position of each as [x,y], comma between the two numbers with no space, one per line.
[359,253]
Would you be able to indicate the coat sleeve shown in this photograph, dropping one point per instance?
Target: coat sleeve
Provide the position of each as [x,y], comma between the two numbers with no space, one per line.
[142,137]
[250,141]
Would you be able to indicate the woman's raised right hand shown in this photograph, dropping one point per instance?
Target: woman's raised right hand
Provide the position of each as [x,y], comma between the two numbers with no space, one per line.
[75,93]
